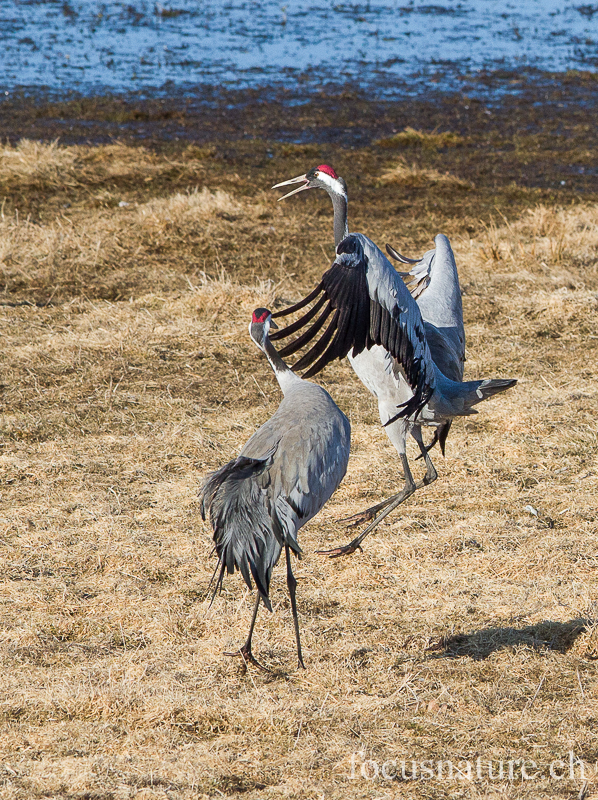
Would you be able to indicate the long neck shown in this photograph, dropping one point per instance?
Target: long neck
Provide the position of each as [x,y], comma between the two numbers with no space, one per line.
[284,375]
[341,222]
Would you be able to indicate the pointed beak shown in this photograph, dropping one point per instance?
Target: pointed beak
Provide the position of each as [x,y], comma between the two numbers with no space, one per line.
[301,179]
[273,324]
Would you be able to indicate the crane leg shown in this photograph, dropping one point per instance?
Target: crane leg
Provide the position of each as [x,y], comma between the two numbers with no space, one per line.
[245,651]
[429,477]
[431,473]
[292,585]
[367,515]
[387,506]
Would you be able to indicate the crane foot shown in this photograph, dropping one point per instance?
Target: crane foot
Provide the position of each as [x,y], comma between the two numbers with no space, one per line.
[358,519]
[248,658]
[336,552]
[368,514]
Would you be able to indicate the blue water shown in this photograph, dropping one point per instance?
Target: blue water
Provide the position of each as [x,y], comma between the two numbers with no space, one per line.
[149,47]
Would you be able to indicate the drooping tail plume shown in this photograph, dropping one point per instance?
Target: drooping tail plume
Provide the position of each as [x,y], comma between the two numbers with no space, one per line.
[233,499]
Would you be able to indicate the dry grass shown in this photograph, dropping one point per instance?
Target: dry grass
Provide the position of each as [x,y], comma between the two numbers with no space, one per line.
[37,164]
[412,138]
[545,236]
[466,628]
[30,162]
[411,175]
[108,246]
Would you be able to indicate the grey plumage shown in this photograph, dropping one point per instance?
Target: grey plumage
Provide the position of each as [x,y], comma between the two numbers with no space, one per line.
[389,325]
[243,524]
[400,370]
[434,283]
[283,476]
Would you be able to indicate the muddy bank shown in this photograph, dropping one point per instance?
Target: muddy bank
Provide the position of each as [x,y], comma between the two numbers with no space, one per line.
[536,146]
[507,102]
[533,129]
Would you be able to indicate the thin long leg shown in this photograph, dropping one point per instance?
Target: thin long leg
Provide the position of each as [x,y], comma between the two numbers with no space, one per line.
[440,435]
[429,477]
[245,651]
[431,473]
[367,515]
[292,585]
[388,505]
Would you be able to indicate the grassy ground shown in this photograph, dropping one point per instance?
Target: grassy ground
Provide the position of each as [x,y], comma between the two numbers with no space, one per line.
[468,626]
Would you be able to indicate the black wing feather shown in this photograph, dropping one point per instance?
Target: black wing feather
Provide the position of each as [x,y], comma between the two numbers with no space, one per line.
[359,322]
[301,304]
[319,347]
[333,352]
[389,332]
[308,335]
[282,333]
[296,326]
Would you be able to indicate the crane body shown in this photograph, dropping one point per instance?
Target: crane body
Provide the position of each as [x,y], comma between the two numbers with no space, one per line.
[378,324]
[282,477]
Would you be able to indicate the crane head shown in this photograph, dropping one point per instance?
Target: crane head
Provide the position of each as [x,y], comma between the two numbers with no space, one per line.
[261,322]
[322,177]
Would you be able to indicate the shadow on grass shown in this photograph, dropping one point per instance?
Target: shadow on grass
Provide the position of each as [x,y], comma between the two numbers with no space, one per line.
[547,635]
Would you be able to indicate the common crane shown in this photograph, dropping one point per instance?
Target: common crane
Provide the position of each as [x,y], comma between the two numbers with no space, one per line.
[432,280]
[282,477]
[377,323]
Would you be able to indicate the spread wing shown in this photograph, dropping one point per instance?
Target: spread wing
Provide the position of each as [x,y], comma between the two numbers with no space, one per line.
[417,279]
[363,302]
[434,282]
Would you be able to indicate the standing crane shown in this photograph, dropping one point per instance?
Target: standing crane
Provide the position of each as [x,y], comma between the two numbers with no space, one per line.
[377,323]
[432,280]
[282,477]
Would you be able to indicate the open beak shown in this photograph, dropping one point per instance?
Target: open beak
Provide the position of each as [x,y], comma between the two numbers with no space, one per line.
[301,179]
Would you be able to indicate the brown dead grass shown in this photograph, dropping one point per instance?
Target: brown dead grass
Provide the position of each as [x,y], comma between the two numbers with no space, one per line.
[30,162]
[103,250]
[412,138]
[466,628]
[411,175]
[43,165]
[544,235]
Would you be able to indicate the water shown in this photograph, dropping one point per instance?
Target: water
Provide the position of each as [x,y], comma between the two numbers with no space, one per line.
[153,48]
